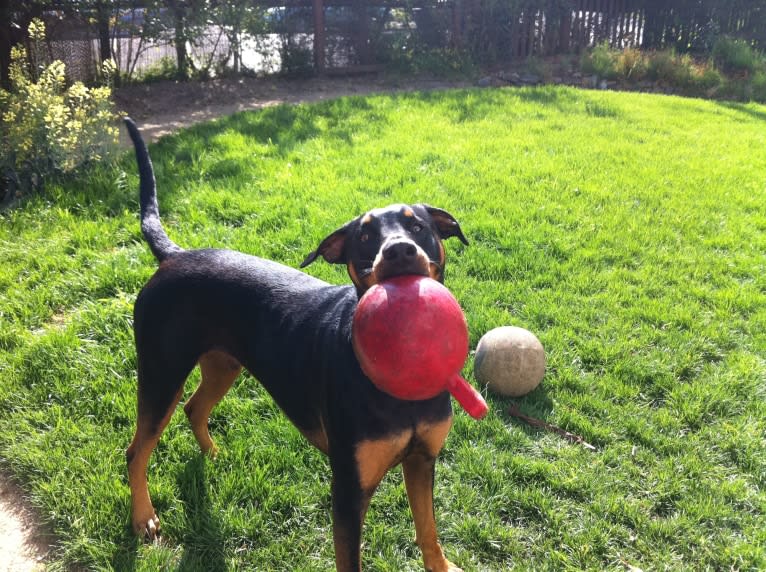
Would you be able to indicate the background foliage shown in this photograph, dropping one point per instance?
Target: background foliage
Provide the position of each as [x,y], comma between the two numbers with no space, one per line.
[48,127]
[209,37]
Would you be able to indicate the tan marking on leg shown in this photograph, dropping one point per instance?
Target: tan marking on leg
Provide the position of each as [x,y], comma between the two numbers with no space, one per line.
[418,478]
[144,518]
[431,436]
[219,370]
[375,457]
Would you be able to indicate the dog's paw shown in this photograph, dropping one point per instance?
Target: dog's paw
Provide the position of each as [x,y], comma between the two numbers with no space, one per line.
[443,566]
[147,528]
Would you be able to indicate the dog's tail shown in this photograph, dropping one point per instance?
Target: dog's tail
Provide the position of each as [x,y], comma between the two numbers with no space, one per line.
[162,247]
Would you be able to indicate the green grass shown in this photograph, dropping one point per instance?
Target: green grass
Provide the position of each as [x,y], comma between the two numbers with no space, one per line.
[627,231]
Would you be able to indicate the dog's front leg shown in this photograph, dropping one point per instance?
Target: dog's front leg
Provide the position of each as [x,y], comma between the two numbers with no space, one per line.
[356,475]
[349,506]
[418,471]
[418,468]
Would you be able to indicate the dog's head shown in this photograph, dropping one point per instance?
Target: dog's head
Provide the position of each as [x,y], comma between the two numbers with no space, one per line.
[392,241]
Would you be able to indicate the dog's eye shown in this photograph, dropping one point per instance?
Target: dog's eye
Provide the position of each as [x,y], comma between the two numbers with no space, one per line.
[416,227]
[365,237]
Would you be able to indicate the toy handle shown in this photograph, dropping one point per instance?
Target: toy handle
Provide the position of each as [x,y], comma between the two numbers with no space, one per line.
[468,398]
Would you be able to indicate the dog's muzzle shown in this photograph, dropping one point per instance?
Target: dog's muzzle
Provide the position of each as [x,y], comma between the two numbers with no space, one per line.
[399,256]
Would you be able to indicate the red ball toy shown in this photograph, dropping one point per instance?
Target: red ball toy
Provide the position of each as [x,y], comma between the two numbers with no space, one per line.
[411,339]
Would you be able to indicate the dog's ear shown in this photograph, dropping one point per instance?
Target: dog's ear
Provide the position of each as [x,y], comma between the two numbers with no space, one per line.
[332,248]
[445,224]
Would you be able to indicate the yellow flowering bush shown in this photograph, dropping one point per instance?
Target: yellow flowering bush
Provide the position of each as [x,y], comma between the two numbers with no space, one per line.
[47,127]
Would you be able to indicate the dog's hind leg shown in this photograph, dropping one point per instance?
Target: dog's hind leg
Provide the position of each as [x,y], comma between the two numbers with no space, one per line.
[219,370]
[159,391]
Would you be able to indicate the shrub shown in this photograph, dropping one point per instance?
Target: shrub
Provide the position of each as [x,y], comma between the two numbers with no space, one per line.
[733,55]
[297,57]
[164,68]
[709,78]
[600,61]
[758,86]
[631,64]
[669,67]
[46,127]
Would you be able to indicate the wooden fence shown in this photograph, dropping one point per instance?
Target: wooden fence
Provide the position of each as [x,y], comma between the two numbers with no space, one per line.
[521,29]
[587,23]
[491,31]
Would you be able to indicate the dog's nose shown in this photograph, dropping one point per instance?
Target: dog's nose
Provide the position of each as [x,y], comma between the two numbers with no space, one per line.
[399,250]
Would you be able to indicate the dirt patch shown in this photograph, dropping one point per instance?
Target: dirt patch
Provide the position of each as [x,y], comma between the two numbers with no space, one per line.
[164,107]
[23,545]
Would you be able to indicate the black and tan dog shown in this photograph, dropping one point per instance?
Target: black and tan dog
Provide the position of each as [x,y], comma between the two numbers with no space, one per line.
[226,310]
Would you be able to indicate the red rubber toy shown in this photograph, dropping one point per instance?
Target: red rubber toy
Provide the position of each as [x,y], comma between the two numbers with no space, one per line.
[411,339]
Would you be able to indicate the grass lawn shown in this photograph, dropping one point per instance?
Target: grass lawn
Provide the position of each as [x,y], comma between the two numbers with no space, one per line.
[627,231]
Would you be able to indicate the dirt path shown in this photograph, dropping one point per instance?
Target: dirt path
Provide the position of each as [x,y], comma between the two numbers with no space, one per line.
[161,108]
[23,545]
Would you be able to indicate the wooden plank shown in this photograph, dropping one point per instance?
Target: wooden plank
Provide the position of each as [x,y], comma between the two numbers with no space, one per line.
[574,43]
[515,31]
[457,33]
[627,38]
[523,33]
[596,22]
[531,33]
[619,26]
[319,36]
[601,20]
[617,17]
[565,31]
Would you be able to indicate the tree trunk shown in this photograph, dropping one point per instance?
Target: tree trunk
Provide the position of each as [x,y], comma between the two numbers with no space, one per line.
[104,40]
[179,39]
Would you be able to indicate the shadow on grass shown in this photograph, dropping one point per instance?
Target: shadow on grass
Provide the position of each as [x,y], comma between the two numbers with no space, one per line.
[203,539]
[758,114]
[284,127]
[535,404]
[539,406]
[125,555]
[179,159]
[474,104]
